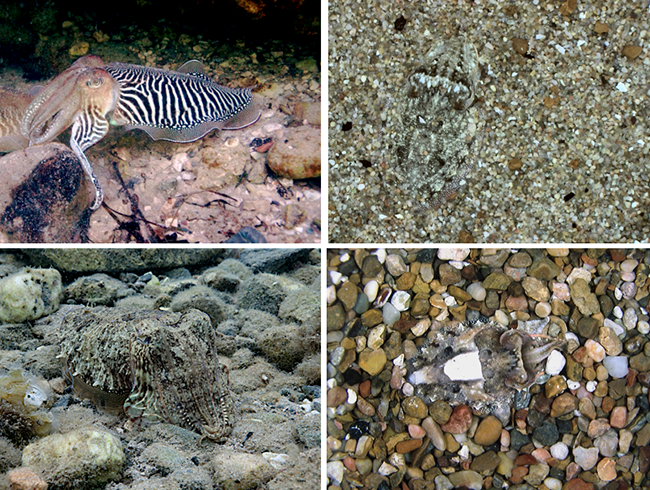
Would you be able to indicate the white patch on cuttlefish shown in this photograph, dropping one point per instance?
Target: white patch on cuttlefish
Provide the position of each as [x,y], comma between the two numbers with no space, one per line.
[464,367]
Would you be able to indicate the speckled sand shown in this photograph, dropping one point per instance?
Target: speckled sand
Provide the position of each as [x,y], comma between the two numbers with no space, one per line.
[584,172]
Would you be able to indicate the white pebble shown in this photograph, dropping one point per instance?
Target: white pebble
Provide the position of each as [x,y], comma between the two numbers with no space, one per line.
[621,87]
[629,265]
[331,294]
[643,327]
[630,318]
[501,317]
[407,389]
[336,276]
[453,253]
[352,397]
[371,290]
[335,471]
[476,291]
[381,255]
[559,451]
[555,363]
[389,314]
[573,385]
[401,300]
[616,366]
[543,309]
[591,386]
[553,484]
[618,312]
[618,329]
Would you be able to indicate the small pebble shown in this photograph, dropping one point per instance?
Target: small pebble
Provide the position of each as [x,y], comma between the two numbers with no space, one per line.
[555,363]
[559,451]
[586,458]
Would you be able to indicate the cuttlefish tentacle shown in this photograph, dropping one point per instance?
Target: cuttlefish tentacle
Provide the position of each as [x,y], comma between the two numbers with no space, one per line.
[80,97]
[530,356]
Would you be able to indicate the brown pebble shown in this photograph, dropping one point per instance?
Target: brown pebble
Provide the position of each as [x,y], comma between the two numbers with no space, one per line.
[460,420]
[618,417]
[518,474]
[520,45]
[488,431]
[631,52]
[407,446]
[336,396]
[525,460]
[515,164]
[25,479]
[364,389]
[600,27]
[606,469]
[568,7]
[563,404]
[349,463]
[578,484]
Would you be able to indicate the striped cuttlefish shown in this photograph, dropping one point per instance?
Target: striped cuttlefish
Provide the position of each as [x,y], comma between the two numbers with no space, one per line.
[179,106]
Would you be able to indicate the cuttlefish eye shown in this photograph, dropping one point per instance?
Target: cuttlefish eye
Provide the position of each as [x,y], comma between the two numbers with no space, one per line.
[94,82]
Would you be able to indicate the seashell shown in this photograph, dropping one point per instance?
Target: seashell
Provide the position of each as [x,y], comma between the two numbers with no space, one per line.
[152,365]
[383,296]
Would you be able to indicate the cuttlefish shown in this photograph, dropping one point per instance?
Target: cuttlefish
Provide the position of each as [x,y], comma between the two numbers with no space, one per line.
[180,106]
[80,97]
[13,105]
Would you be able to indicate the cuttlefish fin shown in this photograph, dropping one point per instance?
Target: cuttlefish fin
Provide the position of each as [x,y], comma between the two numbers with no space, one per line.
[192,66]
[249,115]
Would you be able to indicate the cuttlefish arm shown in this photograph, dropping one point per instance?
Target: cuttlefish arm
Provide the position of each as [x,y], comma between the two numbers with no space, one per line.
[80,97]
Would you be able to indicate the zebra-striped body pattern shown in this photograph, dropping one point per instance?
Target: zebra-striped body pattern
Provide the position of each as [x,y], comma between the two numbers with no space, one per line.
[178,106]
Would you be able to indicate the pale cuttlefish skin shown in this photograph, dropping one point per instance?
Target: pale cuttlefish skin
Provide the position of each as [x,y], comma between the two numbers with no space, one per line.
[179,106]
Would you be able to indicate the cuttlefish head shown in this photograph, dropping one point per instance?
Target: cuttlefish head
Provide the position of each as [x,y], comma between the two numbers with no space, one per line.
[83,88]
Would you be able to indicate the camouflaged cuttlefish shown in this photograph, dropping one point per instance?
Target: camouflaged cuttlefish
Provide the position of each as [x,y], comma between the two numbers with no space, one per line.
[152,365]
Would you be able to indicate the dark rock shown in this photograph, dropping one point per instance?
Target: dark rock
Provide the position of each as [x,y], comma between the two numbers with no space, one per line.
[274,261]
[547,434]
[45,196]
[518,440]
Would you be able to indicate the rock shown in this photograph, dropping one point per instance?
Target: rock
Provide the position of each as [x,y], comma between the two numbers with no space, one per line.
[607,443]
[497,280]
[29,294]
[640,362]
[543,269]
[563,404]
[547,434]
[241,471]
[468,478]
[597,427]
[460,420]
[435,434]
[440,410]
[560,451]
[296,155]
[283,345]
[537,473]
[308,111]
[453,254]
[616,366]
[606,469]
[97,289]
[477,291]
[583,298]
[577,484]
[414,407]
[595,350]
[610,341]
[535,289]
[405,447]
[347,294]
[618,417]
[45,195]
[25,479]
[390,314]
[588,327]
[127,260]
[488,431]
[83,457]
[372,361]
[449,274]
[555,363]
[485,463]
[586,458]
[395,265]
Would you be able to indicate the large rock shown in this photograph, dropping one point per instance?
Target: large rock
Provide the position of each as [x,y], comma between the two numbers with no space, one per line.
[44,196]
[78,459]
[297,154]
[29,294]
[112,261]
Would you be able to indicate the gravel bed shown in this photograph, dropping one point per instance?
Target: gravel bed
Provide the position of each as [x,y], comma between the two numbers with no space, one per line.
[581,423]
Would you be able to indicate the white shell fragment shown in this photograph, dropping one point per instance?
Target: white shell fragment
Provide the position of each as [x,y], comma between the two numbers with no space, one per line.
[464,367]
